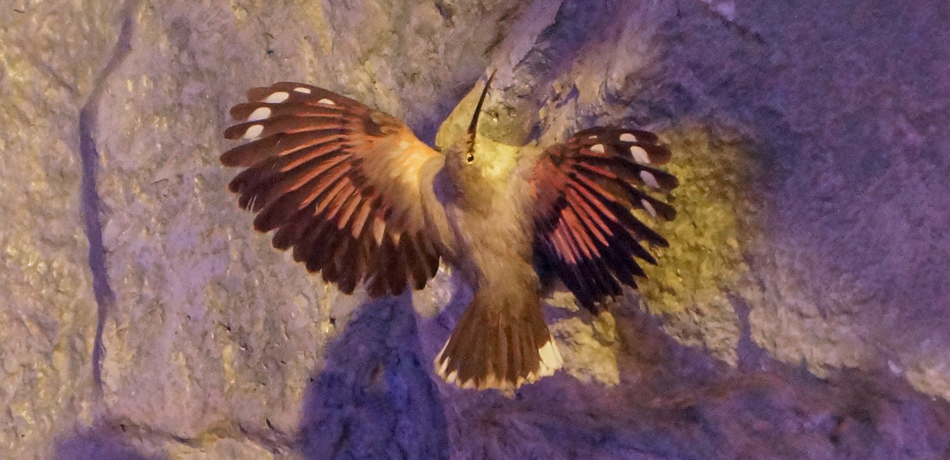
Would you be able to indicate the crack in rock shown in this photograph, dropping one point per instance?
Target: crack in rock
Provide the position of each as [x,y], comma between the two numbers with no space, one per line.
[89,198]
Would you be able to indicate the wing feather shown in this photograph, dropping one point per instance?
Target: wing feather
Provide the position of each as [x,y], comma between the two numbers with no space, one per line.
[338,182]
[584,191]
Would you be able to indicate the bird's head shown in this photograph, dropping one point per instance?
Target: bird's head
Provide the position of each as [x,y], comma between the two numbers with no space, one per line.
[476,163]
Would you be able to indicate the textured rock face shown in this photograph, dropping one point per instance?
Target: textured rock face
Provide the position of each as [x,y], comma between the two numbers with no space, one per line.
[800,311]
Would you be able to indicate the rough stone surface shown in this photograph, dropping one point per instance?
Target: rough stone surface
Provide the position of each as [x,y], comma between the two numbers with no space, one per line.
[800,311]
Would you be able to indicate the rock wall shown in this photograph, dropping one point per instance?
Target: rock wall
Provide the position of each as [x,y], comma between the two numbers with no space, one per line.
[800,311]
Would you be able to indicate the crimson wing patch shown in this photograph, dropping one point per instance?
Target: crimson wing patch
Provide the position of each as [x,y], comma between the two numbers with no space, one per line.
[584,192]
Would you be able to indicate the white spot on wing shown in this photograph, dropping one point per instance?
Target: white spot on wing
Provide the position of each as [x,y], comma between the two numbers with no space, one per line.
[301,89]
[648,207]
[253,131]
[260,113]
[599,148]
[326,101]
[628,137]
[639,154]
[649,179]
[278,97]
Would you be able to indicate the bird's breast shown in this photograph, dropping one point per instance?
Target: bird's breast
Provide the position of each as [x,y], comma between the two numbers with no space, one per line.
[495,244]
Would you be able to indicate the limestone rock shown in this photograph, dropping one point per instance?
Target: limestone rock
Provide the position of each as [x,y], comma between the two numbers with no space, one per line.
[800,311]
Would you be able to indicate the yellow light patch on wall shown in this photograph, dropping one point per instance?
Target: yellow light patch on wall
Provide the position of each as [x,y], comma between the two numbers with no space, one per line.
[704,256]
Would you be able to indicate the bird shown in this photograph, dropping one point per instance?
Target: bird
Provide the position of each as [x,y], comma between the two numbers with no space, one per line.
[360,199]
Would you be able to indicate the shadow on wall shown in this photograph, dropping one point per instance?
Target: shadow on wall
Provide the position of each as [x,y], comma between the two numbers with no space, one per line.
[101,443]
[374,398]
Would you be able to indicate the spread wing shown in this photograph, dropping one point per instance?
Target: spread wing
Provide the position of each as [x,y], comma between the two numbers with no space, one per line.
[584,191]
[338,181]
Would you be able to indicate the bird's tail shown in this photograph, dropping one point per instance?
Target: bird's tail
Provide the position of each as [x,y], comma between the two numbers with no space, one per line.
[501,347]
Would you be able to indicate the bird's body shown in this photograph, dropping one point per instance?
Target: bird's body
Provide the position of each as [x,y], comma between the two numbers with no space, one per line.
[360,198]
[487,203]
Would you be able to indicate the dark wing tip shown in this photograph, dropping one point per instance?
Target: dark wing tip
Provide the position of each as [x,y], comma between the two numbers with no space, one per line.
[586,189]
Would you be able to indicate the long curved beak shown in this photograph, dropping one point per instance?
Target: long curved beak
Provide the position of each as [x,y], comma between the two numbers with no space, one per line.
[478,108]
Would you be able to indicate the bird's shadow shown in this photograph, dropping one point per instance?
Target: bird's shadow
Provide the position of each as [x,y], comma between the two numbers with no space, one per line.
[377,398]
[374,398]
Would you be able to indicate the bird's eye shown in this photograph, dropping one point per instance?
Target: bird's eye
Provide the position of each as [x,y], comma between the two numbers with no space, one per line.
[470,158]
